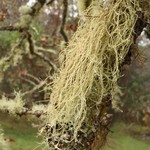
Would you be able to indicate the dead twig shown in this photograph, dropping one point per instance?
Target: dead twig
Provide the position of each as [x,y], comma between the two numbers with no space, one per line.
[32,77]
[33,52]
[50,2]
[65,4]
[9,28]
[26,111]
[28,81]
[37,87]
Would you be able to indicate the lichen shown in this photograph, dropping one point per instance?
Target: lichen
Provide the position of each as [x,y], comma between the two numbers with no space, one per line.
[14,106]
[89,75]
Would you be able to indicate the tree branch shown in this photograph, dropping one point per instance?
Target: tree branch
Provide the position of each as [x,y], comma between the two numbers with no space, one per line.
[26,111]
[65,4]
[9,28]
[37,87]
[33,52]
[50,2]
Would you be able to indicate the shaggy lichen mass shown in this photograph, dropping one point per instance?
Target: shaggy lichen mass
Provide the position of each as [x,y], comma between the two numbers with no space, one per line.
[90,71]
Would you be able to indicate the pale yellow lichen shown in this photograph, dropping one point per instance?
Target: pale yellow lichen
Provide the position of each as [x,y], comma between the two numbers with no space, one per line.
[14,106]
[83,4]
[91,67]
[39,108]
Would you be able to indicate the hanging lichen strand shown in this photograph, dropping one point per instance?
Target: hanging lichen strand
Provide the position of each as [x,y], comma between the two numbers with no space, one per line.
[89,75]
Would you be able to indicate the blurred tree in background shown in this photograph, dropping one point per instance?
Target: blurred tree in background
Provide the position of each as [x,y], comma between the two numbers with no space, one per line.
[30,70]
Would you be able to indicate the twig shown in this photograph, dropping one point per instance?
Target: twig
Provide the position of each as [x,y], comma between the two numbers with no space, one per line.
[50,2]
[27,111]
[28,81]
[9,28]
[32,77]
[46,50]
[33,52]
[46,59]
[34,89]
[65,4]
[42,101]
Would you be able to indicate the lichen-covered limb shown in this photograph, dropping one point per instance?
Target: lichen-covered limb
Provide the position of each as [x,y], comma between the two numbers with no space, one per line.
[28,12]
[8,28]
[16,106]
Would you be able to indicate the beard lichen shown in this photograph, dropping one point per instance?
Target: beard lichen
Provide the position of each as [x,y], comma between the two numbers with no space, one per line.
[13,106]
[88,77]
